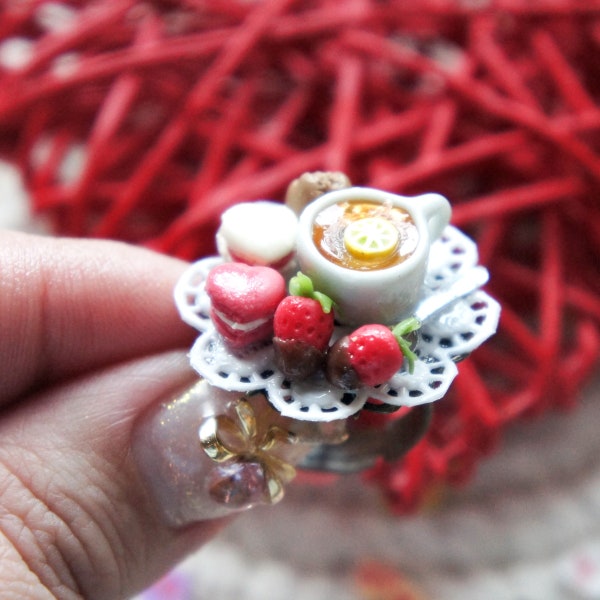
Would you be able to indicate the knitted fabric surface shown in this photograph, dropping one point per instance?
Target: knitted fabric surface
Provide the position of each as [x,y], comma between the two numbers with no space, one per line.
[144,121]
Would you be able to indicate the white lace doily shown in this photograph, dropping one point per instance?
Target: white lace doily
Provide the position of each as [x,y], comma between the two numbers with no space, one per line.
[456,318]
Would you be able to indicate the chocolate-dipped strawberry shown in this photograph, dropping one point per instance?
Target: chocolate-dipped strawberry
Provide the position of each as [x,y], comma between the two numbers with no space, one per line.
[370,355]
[243,302]
[303,325]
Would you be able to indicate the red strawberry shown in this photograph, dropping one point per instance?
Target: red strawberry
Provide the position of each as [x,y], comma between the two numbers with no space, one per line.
[243,301]
[370,355]
[303,319]
[303,325]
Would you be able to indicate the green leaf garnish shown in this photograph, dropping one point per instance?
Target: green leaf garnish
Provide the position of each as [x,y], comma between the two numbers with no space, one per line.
[325,301]
[400,331]
[302,285]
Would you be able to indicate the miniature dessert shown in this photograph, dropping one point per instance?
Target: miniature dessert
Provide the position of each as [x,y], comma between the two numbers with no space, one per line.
[385,301]
[372,268]
[244,299]
[309,186]
[258,233]
[370,355]
[303,326]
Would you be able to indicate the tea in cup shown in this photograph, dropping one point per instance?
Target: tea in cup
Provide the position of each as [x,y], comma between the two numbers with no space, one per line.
[368,249]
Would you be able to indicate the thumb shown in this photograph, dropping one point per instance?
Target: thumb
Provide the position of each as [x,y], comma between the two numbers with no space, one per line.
[78,519]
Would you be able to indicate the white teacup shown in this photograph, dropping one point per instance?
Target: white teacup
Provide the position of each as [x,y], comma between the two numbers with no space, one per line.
[382,295]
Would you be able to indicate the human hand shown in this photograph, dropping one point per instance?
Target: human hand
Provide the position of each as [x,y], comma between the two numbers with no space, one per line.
[89,341]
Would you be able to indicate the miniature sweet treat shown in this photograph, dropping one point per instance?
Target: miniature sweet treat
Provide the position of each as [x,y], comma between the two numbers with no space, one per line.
[368,250]
[258,233]
[309,186]
[370,355]
[243,302]
[385,302]
[303,326]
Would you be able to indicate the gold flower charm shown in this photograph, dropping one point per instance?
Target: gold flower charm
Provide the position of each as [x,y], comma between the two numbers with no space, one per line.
[250,470]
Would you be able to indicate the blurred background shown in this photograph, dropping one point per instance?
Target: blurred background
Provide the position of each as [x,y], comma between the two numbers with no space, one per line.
[143,121]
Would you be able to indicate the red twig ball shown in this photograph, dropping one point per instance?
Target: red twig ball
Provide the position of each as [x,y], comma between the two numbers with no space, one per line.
[144,120]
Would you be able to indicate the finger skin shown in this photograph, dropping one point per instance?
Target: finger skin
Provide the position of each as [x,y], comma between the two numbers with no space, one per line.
[71,305]
[74,508]
[87,335]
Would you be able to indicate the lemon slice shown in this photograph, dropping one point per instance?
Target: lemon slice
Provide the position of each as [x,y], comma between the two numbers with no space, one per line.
[370,238]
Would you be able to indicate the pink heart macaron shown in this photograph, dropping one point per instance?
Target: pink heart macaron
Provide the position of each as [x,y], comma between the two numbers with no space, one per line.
[243,302]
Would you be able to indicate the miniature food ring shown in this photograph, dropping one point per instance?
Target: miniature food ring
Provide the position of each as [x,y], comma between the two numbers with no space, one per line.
[371,311]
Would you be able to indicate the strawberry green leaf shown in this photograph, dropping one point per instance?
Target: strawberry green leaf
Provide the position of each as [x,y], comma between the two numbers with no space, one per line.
[325,301]
[302,285]
[407,326]
[402,329]
[408,354]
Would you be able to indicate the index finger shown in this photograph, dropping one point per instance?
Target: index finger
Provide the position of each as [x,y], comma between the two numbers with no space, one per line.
[69,306]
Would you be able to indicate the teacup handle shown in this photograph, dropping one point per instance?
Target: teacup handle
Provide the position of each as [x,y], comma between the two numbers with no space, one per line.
[437,212]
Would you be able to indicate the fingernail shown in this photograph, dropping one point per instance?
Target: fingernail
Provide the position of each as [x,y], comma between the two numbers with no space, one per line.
[206,453]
